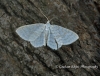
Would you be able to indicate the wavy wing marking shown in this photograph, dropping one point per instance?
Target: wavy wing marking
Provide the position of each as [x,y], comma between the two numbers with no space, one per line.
[40,41]
[62,35]
[51,42]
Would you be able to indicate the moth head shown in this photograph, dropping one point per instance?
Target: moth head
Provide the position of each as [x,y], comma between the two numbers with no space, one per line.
[48,22]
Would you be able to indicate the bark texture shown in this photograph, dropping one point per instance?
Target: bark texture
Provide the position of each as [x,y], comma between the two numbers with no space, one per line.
[20,58]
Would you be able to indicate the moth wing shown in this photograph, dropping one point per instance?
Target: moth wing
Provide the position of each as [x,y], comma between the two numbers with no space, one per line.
[51,42]
[30,32]
[40,41]
[62,35]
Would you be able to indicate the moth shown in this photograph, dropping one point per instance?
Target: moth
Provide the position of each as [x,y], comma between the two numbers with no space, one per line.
[41,34]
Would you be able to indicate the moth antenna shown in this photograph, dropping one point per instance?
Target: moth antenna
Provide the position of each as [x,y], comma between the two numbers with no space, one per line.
[43,14]
[52,18]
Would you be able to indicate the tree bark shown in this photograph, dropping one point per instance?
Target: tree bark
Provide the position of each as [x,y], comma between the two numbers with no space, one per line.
[19,58]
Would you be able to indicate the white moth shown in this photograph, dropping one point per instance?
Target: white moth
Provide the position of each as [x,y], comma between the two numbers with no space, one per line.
[41,34]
